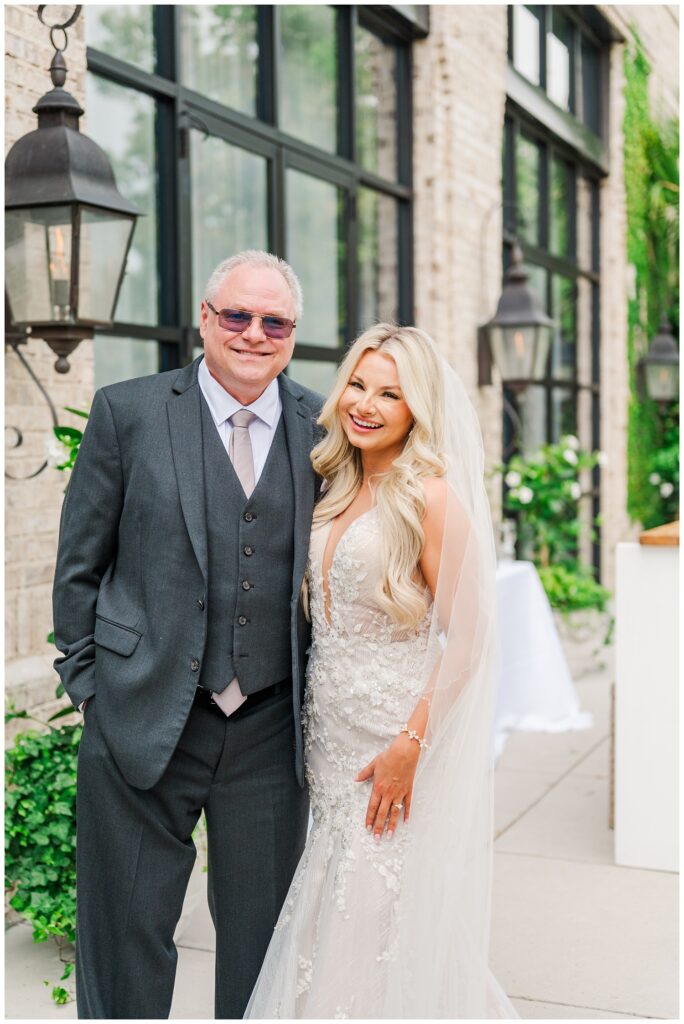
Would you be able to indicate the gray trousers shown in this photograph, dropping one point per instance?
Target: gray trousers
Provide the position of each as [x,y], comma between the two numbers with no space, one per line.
[135,854]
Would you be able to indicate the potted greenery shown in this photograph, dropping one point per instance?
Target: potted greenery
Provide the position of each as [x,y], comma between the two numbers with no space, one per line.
[543,492]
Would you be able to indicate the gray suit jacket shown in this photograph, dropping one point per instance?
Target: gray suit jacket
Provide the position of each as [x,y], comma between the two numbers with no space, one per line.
[131,574]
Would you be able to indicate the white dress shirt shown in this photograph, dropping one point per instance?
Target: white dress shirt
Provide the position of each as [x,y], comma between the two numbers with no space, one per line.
[267,409]
[222,405]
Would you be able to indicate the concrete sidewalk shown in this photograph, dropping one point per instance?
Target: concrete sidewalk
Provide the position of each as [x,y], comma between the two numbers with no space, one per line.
[573,936]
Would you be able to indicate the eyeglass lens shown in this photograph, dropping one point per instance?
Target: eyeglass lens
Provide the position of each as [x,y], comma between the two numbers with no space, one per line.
[238,320]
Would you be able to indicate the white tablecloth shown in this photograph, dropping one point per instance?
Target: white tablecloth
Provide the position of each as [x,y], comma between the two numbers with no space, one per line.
[536,691]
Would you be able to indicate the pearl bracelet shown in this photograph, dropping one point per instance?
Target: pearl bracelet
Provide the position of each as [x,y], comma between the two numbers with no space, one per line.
[413,735]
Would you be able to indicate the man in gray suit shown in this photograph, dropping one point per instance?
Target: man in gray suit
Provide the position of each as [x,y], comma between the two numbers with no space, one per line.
[183,544]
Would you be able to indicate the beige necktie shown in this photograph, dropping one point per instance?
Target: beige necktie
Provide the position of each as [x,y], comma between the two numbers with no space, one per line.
[240,449]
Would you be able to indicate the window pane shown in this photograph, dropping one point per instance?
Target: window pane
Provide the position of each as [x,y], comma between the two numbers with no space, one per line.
[563,413]
[308,80]
[564,345]
[377,258]
[219,52]
[316,250]
[122,358]
[526,36]
[584,223]
[229,206]
[527,155]
[561,196]
[124,31]
[376,103]
[313,373]
[122,121]
[558,45]
[591,87]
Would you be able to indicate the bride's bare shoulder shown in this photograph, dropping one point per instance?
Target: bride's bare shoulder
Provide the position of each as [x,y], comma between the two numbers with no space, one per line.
[435,489]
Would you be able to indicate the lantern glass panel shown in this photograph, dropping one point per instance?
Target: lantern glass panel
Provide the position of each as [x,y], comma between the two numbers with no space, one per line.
[513,351]
[662,381]
[541,352]
[103,248]
[38,263]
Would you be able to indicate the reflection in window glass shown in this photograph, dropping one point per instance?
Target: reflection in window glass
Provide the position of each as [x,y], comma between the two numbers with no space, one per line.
[564,345]
[308,75]
[526,36]
[560,198]
[316,250]
[123,358]
[378,257]
[376,103]
[563,413]
[558,44]
[313,373]
[584,330]
[219,52]
[229,206]
[527,155]
[124,31]
[591,87]
[122,121]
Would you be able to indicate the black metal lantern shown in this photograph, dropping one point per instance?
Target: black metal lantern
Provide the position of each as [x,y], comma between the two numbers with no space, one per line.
[68,229]
[518,337]
[658,370]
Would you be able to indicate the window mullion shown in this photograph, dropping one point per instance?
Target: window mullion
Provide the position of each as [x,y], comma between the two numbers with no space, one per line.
[268,66]
[346,99]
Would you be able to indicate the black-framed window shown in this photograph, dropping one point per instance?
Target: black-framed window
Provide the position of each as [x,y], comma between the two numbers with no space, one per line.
[551,206]
[554,48]
[234,126]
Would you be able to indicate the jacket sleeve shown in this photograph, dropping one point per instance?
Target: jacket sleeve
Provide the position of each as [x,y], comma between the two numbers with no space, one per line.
[87,547]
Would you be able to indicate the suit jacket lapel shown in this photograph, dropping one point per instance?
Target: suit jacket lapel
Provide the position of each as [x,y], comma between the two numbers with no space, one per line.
[185,426]
[298,421]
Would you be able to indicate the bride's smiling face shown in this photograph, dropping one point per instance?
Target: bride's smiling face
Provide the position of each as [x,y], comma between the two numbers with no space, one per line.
[372,409]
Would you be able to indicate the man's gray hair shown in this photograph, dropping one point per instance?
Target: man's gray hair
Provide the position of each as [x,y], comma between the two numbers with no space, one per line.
[256,258]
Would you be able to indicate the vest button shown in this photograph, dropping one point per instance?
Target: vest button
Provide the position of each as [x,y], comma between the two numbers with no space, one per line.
[194,665]
[200,604]
[242,620]
[246,585]
[248,550]
[248,517]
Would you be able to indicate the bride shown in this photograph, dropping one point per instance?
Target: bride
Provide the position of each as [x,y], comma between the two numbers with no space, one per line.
[388,912]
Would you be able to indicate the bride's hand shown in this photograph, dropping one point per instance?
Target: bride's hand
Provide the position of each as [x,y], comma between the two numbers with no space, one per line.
[392,772]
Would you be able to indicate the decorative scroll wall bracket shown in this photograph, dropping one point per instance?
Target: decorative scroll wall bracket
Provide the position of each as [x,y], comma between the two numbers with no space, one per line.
[14,340]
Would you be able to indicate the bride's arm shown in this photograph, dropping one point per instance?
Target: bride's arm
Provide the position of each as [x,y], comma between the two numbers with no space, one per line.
[393,770]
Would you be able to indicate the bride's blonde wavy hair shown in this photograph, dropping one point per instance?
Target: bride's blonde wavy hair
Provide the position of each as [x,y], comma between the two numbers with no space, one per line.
[399,494]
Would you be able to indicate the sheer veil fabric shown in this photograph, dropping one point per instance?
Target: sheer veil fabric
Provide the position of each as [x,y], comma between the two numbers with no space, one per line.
[442,968]
[441,909]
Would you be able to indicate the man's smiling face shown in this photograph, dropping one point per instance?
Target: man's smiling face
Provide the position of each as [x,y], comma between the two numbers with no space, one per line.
[246,363]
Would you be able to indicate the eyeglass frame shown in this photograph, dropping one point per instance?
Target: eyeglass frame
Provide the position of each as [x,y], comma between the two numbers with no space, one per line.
[258,316]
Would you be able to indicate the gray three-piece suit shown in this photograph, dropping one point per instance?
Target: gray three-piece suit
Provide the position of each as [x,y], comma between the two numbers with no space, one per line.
[167,577]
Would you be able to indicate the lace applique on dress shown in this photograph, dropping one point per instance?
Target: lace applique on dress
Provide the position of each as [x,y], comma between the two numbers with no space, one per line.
[363,682]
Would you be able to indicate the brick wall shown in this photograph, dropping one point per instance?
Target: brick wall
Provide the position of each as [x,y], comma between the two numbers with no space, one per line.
[32,507]
[459,101]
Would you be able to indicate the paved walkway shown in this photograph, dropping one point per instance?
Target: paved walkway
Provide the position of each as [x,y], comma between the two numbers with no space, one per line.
[573,936]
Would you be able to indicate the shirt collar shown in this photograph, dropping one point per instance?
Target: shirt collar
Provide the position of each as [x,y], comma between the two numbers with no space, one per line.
[222,405]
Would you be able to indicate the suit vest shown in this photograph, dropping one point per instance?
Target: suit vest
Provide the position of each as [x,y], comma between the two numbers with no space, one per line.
[251,549]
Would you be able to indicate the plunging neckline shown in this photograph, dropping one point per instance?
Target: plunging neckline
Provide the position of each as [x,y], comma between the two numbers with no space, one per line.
[325,576]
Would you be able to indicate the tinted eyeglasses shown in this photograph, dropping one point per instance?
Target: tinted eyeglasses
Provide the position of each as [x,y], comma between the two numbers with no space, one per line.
[238,320]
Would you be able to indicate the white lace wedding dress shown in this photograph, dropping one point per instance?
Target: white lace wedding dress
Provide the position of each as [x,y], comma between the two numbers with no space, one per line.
[336,936]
